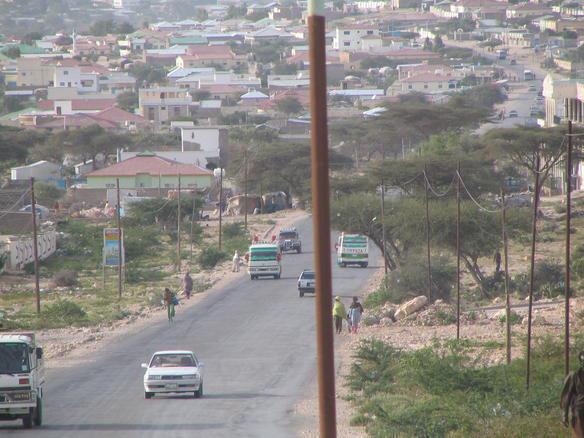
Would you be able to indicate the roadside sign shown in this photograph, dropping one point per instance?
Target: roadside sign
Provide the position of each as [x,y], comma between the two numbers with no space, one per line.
[111,256]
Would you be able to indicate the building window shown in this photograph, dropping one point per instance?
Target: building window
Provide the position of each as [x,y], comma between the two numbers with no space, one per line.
[110,186]
[65,72]
[425,86]
[369,32]
[168,186]
[410,87]
[440,86]
[346,44]
[162,108]
[347,32]
[23,73]
[62,84]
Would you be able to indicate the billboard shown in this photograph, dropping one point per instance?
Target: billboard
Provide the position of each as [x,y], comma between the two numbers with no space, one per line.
[111,256]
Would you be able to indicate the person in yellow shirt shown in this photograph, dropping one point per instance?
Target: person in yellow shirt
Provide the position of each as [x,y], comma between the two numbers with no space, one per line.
[339,313]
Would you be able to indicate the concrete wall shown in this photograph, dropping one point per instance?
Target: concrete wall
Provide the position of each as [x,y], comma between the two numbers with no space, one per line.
[148,181]
[21,252]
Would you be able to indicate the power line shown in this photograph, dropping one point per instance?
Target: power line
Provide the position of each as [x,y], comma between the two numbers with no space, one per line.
[473,198]
[9,210]
[439,195]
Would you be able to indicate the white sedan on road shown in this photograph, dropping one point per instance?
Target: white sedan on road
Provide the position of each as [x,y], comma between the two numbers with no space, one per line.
[173,372]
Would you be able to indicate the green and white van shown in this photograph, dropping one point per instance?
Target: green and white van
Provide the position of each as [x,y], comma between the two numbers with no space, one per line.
[352,249]
[264,259]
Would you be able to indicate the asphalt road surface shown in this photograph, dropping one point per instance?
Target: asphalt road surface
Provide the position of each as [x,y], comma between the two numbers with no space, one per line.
[257,340]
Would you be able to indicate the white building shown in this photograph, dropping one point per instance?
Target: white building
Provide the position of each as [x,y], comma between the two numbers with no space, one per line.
[40,171]
[73,77]
[348,36]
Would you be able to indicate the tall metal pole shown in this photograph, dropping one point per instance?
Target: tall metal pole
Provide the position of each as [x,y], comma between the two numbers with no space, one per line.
[383,226]
[35,249]
[458,251]
[178,221]
[220,206]
[506,266]
[568,227]
[321,219]
[531,270]
[245,189]
[120,255]
[428,237]
[192,226]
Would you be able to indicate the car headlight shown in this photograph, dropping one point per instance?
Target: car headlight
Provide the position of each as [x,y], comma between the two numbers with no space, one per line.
[153,377]
[191,376]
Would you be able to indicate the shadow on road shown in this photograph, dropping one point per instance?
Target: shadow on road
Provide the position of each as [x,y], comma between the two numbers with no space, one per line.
[240,396]
[125,427]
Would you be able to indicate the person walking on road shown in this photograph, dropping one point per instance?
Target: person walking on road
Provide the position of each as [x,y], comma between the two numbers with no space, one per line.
[236,261]
[355,312]
[169,301]
[339,313]
[188,285]
[497,260]
[572,400]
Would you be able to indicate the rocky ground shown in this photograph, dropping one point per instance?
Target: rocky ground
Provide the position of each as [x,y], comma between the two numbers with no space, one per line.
[75,343]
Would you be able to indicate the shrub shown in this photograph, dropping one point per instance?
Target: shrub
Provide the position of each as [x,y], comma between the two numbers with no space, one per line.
[233,230]
[210,256]
[65,278]
[47,194]
[64,312]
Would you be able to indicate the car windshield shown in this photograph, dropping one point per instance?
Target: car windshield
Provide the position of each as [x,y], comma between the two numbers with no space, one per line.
[172,360]
[308,275]
[14,358]
[288,235]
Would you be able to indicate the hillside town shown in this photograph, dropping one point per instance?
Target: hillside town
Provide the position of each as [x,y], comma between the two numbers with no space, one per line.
[150,149]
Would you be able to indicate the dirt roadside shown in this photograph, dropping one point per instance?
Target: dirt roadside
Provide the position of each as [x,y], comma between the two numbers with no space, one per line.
[67,346]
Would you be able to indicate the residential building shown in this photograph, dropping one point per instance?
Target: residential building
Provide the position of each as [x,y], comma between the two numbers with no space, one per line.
[147,170]
[163,104]
[425,82]
[41,170]
[564,100]
[205,56]
[348,36]
[269,33]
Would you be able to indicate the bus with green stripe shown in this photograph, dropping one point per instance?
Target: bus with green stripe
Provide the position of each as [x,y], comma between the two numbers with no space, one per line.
[264,259]
[352,249]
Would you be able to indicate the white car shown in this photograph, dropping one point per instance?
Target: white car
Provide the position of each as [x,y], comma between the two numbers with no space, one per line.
[173,372]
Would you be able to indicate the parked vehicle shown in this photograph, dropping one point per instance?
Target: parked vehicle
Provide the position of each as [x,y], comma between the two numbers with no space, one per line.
[264,259]
[173,372]
[42,211]
[513,114]
[352,249]
[22,377]
[289,240]
[306,282]
[528,75]
[532,89]
[513,62]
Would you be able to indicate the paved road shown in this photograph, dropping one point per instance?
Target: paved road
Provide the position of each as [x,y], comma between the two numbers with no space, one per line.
[257,340]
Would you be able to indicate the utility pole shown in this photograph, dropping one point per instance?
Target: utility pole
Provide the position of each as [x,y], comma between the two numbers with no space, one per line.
[321,220]
[120,255]
[506,266]
[568,226]
[383,226]
[178,221]
[192,225]
[532,269]
[428,237]
[458,251]
[220,206]
[245,188]
[35,249]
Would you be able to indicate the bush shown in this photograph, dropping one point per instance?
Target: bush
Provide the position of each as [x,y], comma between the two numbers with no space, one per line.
[64,312]
[233,230]
[210,256]
[65,278]
[47,194]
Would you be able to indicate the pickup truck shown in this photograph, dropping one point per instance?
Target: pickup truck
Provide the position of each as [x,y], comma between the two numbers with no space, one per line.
[306,283]
[22,376]
[289,240]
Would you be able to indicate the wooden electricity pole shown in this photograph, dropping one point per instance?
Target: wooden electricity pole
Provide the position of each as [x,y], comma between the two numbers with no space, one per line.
[178,221]
[458,251]
[120,255]
[428,237]
[532,270]
[220,206]
[506,267]
[35,249]
[383,226]
[568,227]
[245,189]
[321,220]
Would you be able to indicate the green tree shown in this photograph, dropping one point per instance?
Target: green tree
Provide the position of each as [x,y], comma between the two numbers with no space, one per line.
[125,28]
[102,27]
[12,52]
[283,68]
[31,37]
[146,74]
[289,105]
[201,15]
[127,101]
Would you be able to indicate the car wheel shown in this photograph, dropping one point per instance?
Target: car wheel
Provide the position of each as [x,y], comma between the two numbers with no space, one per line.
[148,395]
[300,293]
[38,413]
[343,265]
[299,250]
[364,265]
[253,277]
[199,393]
[27,421]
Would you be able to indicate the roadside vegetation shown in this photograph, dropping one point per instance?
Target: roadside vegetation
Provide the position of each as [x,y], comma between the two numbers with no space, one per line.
[444,390]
